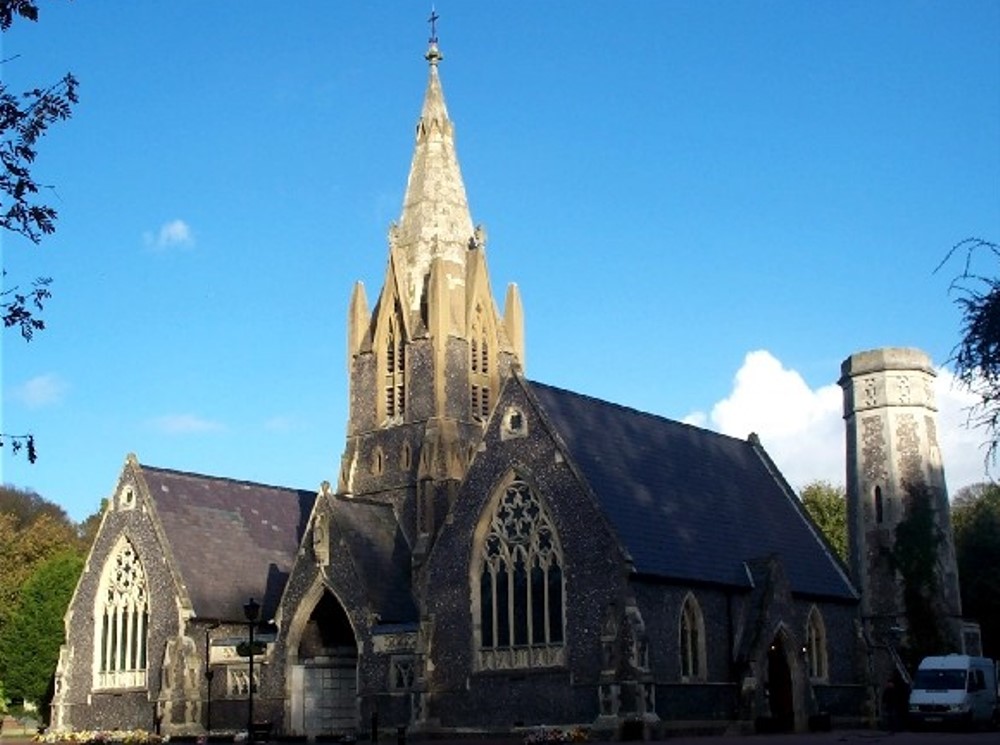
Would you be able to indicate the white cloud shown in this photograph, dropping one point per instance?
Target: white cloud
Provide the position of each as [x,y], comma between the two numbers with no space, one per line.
[184,424]
[961,445]
[43,390]
[802,428]
[174,233]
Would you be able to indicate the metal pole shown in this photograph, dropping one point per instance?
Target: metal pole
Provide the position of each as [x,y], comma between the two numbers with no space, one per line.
[250,707]
[209,674]
[252,611]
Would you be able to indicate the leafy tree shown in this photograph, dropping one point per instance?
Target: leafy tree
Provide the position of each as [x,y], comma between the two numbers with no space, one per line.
[38,547]
[24,120]
[87,530]
[26,505]
[29,643]
[975,519]
[827,506]
[23,549]
[977,356]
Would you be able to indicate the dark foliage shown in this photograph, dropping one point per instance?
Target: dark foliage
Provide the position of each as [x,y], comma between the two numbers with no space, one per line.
[977,356]
[976,522]
[915,557]
[11,8]
[24,120]
[27,505]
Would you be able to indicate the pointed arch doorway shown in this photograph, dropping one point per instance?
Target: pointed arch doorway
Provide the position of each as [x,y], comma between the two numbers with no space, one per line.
[779,686]
[324,676]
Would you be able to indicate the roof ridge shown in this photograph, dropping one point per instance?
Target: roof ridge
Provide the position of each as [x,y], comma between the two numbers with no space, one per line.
[640,412]
[229,479]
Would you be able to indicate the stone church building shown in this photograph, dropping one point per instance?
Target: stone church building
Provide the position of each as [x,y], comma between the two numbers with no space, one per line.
[494,554]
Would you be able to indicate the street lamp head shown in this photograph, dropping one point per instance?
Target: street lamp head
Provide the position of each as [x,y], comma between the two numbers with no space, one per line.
[251,609]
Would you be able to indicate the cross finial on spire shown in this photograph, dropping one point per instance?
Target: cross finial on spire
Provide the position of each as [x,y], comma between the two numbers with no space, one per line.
[433,21]
[433,55]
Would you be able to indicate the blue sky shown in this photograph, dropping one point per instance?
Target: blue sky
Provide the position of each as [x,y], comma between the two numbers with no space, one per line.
[707,206]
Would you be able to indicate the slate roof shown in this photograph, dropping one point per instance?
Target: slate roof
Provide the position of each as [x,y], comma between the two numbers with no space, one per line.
[231,540]
[381,556]
[687,503]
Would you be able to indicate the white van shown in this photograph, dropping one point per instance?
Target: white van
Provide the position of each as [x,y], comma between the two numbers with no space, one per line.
[955,689]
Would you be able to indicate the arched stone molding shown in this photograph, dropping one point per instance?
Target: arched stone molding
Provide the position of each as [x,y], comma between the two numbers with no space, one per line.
[817,661]
[329,680]
[691,640]
[297,624]
[787,709]
[121,620]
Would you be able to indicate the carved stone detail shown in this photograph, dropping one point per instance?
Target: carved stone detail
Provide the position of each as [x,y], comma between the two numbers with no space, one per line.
[869,388]
[931,426]
[395,642]
[873,453]
[903,388]
[908,447]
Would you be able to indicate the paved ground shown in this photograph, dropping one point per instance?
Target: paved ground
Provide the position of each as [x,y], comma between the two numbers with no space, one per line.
[851,737]
[847,737]
[862,737]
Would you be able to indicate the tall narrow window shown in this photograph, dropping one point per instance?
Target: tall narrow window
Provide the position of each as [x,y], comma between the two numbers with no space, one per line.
[519,584]
[479,370]
[692,640]
[122,615]
[816,645]
[879,507]
[395,368]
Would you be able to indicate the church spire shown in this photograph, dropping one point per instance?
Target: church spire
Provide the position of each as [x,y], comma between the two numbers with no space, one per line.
[435,222]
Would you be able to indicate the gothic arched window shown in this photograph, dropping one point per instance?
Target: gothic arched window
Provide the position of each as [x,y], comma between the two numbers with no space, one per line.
[816,645]
[122,619]
[518,583]
[692,640]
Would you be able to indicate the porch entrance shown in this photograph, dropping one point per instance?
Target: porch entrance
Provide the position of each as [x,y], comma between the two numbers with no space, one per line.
[779,687]
[324,683]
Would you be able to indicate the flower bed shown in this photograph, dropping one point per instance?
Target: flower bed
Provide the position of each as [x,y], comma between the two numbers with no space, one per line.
[550,735]
[102,737]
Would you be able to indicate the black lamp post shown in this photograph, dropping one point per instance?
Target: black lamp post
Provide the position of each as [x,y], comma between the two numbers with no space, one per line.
[209,674]
[251,610]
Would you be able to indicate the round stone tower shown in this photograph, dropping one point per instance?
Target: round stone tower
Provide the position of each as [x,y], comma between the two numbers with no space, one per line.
[893,453]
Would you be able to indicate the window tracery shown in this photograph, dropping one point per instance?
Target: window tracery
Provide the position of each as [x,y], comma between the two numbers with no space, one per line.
[520,584]
[402,672]
[238,681]
[123,613]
